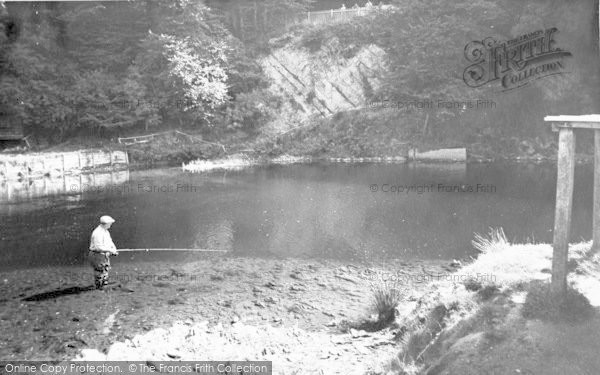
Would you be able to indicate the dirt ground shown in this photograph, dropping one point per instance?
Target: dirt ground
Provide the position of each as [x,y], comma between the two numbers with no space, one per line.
[296,312]
[290,311]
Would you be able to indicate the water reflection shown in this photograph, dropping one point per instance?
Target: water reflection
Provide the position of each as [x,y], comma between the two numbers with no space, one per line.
[217,235]
[317,210]
[15,195]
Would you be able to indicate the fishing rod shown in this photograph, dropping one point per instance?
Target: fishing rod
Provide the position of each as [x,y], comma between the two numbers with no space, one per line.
[170,249]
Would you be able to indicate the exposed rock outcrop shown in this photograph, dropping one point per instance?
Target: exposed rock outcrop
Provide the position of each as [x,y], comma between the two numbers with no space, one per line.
[328,81]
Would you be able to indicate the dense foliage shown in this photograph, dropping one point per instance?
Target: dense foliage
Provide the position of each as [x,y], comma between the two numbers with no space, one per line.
[425,42]
[104,67]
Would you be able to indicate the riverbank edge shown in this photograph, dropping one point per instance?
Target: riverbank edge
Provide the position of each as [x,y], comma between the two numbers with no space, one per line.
[470,326]
[167,153]
[453,325]
[458,323]
[244,160]
[241,161]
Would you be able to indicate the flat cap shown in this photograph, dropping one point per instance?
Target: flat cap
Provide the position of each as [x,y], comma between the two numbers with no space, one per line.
[106,220]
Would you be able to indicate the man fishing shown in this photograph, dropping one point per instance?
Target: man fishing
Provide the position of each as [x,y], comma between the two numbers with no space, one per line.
[101,247]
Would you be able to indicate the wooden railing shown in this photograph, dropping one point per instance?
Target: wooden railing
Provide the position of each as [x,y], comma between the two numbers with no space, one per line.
[128,141]
[343,14]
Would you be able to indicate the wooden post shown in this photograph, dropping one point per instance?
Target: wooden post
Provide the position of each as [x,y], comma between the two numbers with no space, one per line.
[79,158]
[45,181]
[28,187]
[564,203]
[8,196]
[596,219]
[63,164]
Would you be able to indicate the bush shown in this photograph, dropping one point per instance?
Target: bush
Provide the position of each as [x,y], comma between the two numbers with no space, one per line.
[421,340]
[472,284]
[488,292]
[417,344]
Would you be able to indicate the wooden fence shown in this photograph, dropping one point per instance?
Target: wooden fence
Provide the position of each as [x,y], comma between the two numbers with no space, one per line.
[27,166]
[342,15]
[128,141]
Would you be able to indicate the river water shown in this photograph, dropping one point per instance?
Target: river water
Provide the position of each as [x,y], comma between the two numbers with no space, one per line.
[361,212]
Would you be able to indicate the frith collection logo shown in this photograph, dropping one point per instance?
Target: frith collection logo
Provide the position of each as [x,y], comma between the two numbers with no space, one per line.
[516,62]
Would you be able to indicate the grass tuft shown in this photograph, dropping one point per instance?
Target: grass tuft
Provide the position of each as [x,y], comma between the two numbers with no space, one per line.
[495,239]
[386,297]
[504,264]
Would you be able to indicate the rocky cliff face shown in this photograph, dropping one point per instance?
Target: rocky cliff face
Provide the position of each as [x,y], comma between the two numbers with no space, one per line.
[327,81]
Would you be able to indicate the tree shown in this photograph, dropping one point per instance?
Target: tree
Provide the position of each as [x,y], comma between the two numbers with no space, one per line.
[89,66]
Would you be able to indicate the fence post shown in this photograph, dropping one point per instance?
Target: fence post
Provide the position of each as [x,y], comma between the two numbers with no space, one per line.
[596,215]
[564,202]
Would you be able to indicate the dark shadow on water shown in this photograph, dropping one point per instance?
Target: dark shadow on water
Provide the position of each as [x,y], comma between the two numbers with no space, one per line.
[59,293]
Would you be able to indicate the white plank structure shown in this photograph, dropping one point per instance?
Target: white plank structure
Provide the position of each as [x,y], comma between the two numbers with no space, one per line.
[343,14]
[565,126]
[39,165]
